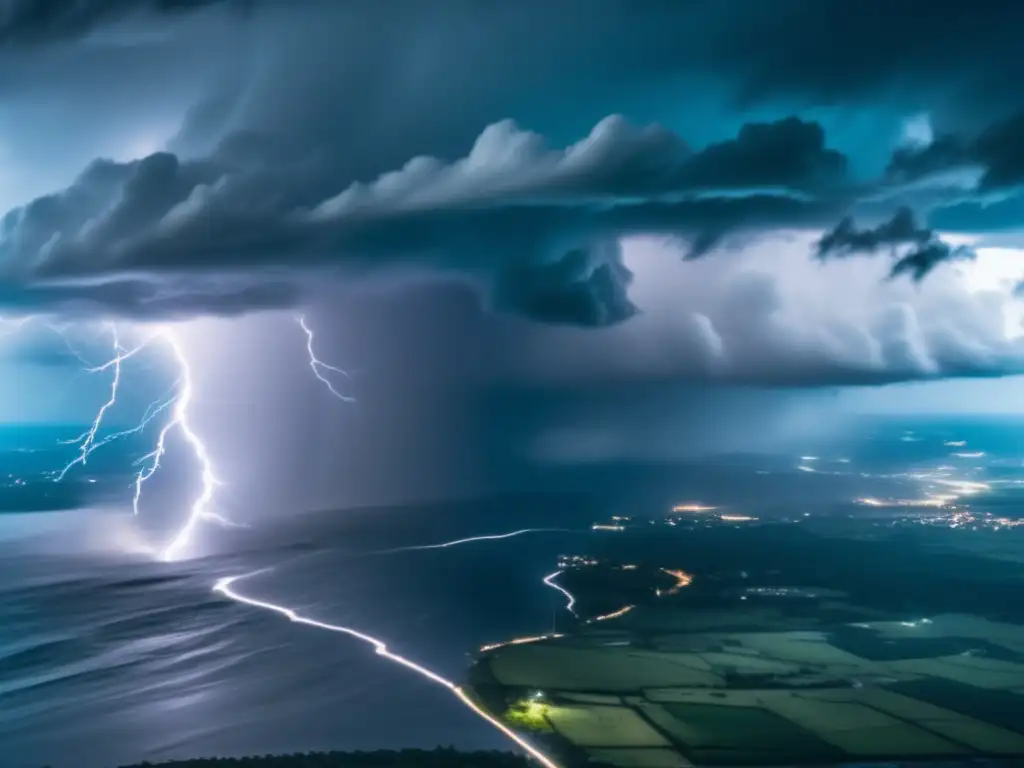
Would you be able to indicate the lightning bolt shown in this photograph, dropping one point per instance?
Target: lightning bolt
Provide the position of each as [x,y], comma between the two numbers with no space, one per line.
[87,440]
[177,400]
[61,331]
[151,462]
[318,366]
[178,403]
[225,587]
[15,324]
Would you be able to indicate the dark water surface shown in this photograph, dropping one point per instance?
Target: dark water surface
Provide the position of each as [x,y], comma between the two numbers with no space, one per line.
[110,659]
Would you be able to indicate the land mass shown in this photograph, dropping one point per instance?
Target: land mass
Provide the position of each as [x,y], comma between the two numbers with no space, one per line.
[406,758]
[713,638]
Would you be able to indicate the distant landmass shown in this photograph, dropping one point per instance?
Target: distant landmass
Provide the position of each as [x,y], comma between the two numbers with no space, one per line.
[406,758]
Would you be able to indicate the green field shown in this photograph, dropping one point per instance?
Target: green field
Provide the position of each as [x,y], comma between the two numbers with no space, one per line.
[770,697]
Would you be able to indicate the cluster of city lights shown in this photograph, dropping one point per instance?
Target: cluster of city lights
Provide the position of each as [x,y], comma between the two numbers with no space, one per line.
[693,508]
[949,496]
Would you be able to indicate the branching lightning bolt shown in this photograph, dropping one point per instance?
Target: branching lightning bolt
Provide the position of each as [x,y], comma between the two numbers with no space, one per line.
[319,367]
[87,440]
[177,400]
[180,419]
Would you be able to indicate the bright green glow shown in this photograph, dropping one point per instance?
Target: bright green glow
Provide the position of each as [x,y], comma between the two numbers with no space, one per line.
[529,714]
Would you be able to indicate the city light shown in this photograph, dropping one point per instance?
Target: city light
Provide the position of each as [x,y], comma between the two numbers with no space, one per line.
[692,508]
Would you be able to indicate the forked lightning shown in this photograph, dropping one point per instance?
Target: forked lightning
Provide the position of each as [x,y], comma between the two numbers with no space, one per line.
[319,367]
[178,401]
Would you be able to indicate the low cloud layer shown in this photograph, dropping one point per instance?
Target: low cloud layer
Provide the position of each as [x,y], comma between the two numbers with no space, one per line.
[768,315]
[536,226]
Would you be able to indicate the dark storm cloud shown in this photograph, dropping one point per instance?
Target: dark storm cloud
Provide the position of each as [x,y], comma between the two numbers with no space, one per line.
[845,238]
[165,299]
[914,162]
[791,47]
[922,259]
[916,248]
[25,22]
[976,179]
[572,291]
[536,225]
[997,150]
[848,49]
[327,161]
[790,152]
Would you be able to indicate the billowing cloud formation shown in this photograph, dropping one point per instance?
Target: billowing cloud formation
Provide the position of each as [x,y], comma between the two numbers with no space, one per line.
[573,291]
[324,148]
[767,314]
[536,225]
[38,21]
[917,249]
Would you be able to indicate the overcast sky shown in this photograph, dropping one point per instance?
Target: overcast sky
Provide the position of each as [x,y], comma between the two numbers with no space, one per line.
[533,231]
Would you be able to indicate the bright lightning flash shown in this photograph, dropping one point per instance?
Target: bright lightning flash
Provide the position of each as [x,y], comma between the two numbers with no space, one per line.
[225,587]
[180,419]
[321,369]
[178,402]
[87,440]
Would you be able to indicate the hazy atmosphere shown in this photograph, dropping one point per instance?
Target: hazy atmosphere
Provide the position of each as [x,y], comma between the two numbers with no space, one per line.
[285,276]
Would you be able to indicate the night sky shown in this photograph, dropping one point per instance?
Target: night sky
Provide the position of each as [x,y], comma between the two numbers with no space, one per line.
[534,233]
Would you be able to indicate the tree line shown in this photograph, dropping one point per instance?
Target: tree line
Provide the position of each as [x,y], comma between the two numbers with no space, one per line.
[406,758]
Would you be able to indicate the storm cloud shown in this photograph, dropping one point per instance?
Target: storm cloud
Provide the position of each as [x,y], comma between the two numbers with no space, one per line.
[536,225]
[769,315]
[997,151]
[33,22]
[322,144]
[916,250]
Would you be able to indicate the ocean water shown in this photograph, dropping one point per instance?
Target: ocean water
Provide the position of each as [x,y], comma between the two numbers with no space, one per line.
[109,658]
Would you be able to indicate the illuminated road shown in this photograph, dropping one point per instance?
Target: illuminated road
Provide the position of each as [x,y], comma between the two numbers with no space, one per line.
[683,579]
[550,581]
[471,539]
[225,587]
